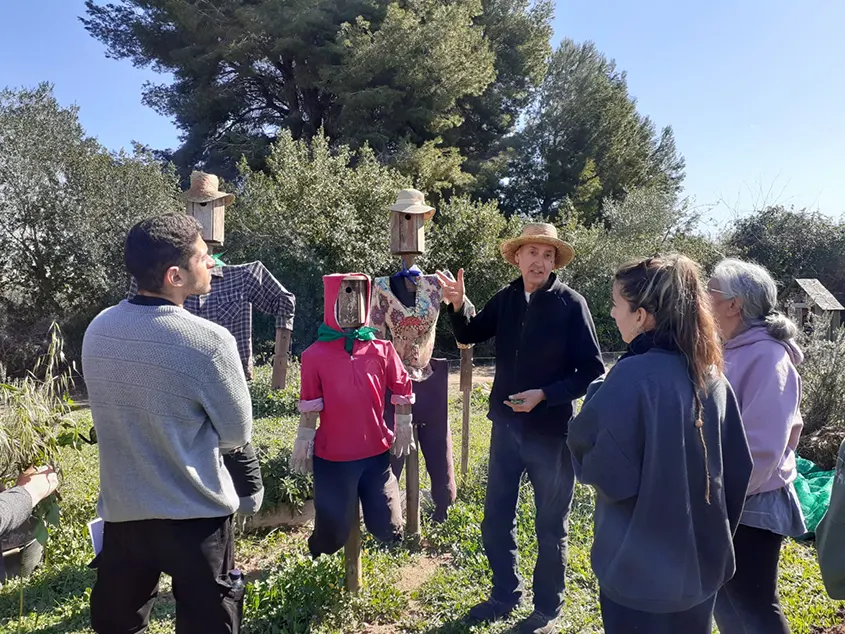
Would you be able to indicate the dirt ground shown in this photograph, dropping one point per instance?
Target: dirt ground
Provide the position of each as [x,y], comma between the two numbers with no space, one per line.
[480,375]
[411,579]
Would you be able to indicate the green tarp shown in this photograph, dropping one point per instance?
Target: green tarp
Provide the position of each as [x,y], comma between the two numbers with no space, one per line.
[813,487]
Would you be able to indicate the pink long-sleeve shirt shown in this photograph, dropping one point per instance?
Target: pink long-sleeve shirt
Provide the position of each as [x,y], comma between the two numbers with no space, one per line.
[348,389]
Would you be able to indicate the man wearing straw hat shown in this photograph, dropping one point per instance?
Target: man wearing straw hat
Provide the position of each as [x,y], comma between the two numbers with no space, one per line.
[547,353]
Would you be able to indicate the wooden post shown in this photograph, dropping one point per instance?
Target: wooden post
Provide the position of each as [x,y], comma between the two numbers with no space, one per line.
[412,490]
[280,359]
[466,389]
[352,555]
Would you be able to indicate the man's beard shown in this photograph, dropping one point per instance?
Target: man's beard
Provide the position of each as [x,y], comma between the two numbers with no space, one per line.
[201,287]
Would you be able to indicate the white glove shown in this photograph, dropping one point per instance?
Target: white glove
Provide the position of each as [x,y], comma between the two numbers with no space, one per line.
[302,458]
[403,435]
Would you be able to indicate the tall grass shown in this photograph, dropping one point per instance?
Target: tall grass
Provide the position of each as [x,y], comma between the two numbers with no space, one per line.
[35,422]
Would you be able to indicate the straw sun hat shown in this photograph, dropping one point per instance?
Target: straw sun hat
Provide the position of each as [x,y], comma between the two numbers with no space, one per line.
[539,233]
[205,188]
[411,201]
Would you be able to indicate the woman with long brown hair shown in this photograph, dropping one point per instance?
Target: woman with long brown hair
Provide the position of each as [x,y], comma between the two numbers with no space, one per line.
[662,442]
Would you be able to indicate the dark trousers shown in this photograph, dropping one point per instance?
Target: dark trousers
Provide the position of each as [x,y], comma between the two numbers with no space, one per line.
[431,417]
[549,465]
[749,603]
[338,487]
[621,620]
[197,554]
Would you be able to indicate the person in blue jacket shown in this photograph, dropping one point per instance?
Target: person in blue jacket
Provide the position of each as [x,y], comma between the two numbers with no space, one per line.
[662,442]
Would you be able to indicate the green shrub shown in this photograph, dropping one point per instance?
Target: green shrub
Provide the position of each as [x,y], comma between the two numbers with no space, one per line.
[267,402]
[74,201]
[823,404]
[36,422]
[276,420]
[314,210]
[294,595]
[281,485]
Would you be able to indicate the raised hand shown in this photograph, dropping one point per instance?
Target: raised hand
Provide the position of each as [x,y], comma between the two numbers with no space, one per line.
[453,290]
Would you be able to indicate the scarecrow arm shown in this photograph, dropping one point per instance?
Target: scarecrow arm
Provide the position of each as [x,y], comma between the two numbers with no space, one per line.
[310,406]
[271,298]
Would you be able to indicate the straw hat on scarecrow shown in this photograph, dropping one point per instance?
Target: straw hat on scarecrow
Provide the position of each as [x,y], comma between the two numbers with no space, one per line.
[539,233]
[206,188]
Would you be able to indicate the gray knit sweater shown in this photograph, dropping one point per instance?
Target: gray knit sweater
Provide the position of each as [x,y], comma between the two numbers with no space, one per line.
[167,394]
[15,509]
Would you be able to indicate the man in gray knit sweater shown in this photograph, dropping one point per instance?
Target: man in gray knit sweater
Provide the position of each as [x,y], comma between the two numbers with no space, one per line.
[167,394]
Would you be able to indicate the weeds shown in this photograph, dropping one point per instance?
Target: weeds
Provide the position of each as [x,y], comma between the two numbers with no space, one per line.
[36,422]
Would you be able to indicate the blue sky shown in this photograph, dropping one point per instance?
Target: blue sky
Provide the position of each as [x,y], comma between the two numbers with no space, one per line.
[754,89]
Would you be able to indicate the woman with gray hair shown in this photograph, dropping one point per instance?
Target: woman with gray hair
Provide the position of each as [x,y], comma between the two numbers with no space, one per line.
[760,364]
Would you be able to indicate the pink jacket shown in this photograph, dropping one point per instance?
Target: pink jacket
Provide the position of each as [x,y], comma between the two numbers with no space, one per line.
[348,389]
[762,372]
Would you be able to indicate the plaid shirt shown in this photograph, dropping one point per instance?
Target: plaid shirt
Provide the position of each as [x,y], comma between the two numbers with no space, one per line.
[235,289]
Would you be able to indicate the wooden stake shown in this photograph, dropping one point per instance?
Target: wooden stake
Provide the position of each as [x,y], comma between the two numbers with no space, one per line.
[412,490]
[352,555]
[466,389]
[280,359]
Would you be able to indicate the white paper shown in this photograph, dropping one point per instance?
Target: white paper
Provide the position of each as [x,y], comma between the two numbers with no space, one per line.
[95,530]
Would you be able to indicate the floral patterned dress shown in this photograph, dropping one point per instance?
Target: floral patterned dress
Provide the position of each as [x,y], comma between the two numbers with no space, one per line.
[412,328]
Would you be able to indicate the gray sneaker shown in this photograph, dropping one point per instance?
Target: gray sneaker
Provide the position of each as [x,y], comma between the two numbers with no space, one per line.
[538,623]
[489,611]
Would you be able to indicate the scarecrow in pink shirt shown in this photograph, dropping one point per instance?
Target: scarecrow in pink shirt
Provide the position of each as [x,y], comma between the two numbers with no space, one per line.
[345,375]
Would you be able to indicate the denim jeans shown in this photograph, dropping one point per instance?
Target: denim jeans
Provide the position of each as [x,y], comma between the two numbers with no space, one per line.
[514,451]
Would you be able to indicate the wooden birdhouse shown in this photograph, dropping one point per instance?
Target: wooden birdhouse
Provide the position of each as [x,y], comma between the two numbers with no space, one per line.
[207,204]
[407,223]
[351,305]
[407,233]
[212,216]
[812,307]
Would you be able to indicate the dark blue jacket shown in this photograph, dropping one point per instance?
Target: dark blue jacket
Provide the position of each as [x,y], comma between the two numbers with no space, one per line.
[659,544]
[549,344]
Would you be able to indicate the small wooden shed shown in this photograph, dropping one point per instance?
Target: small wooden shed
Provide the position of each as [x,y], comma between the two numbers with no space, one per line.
[812,302]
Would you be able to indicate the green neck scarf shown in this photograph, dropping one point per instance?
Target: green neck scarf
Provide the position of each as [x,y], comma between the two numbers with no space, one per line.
[325,333]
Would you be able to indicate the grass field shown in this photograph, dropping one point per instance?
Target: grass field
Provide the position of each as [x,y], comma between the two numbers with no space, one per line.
[425,587]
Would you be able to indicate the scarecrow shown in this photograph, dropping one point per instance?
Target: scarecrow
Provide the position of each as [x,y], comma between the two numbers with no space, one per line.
[237,288]
[406,307]
[344,377]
